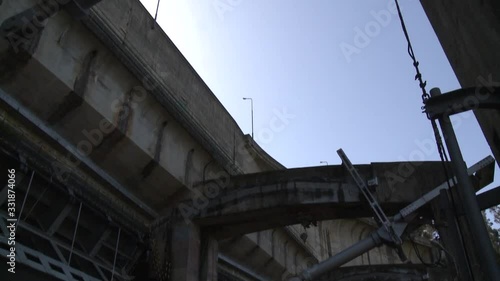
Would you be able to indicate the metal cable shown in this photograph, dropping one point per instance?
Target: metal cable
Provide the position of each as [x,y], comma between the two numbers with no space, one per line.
[419,256]
[25,197]
[418,76]
[74,234]
[38,199]
[156,14]
[425,96]
[116,252]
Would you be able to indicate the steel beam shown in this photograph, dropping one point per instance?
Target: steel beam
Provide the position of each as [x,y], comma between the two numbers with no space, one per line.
[98,245]
[44,157]
[58,252]
[468,197]
[488,199]
[462,100]
[54,226]
[341,258]
[54,136]
[449,231]
[104,265]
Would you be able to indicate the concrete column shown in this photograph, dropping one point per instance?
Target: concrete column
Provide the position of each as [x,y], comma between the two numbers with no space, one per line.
[186,240]
[209,257]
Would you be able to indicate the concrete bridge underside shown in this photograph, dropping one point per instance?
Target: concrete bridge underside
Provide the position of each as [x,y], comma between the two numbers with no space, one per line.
[122,136]
[53,209]
[254,202]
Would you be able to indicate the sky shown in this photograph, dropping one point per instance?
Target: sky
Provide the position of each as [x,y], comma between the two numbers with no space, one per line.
[338,70]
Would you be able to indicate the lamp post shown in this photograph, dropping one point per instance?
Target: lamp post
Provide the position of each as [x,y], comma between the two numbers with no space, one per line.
[251,101]
[323,162]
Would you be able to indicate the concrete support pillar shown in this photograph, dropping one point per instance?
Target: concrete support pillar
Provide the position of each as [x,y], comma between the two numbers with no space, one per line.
[209,258]
[186,240]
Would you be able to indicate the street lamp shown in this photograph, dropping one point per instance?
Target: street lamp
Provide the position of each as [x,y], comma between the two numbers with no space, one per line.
[251,100]
[323,162]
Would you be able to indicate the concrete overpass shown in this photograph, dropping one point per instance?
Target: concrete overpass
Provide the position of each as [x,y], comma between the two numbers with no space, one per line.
[114,137]
[254,202]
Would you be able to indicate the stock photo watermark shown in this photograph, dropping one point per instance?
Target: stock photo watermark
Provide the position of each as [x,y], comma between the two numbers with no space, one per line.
[427,147]
[21,29]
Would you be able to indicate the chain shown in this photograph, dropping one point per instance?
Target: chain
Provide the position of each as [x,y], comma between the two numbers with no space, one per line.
[418,76]
[425,96]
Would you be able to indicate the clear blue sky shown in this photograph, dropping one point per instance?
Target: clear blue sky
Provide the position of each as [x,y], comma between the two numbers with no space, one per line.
[294,55]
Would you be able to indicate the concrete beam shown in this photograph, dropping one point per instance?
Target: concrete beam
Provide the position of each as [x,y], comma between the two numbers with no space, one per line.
[296,196]
[270,199]
[59,219]
[488,199]
[44,157]
[186,244]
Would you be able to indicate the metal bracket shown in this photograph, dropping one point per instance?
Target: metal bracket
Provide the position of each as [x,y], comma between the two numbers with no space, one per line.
[462,100]
[379,213]
[381,235]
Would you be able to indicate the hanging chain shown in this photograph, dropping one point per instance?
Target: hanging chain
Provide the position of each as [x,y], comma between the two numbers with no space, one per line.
[425,96]
[418,76]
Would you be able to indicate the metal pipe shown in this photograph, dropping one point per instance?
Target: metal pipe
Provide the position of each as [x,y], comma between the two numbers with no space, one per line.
[74,233]
[468,197]
[116,252]
[25,197]
[341,258]
[251,101]
[251,104]
[156,14]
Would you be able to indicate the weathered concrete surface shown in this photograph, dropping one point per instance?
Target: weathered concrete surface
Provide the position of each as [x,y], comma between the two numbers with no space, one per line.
[266,200]
[271,253]
[84,93]
[353,231]
[469,33]
[120,109]
[81,105]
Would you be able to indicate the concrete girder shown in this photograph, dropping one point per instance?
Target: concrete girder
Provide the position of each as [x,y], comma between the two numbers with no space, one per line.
[72,76]
[68,83]
[44,158]
[145,55]
[270,199]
